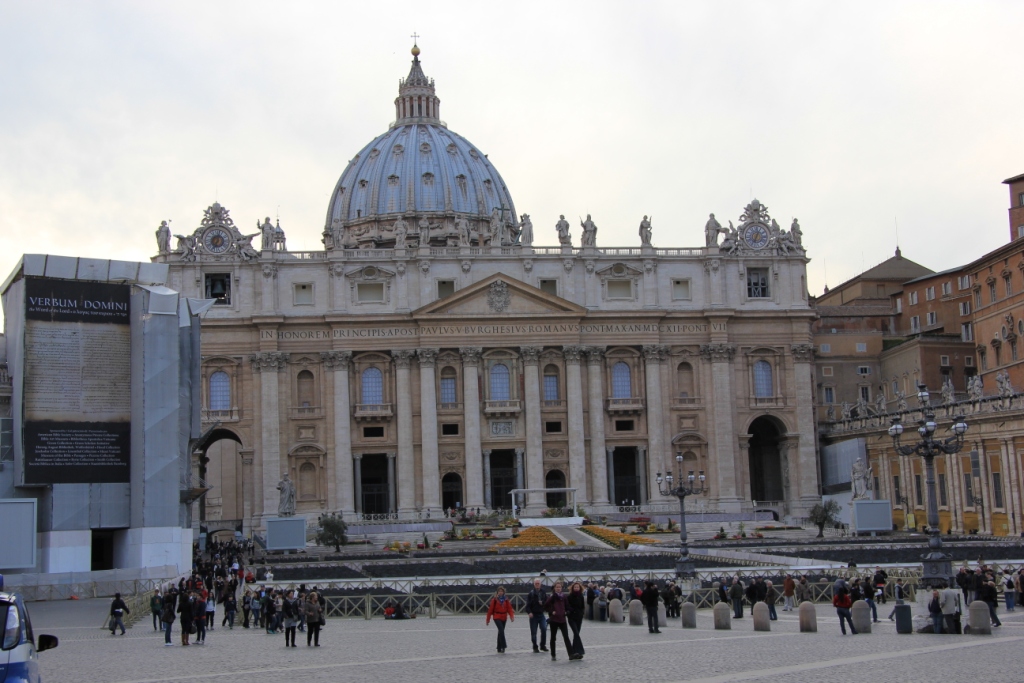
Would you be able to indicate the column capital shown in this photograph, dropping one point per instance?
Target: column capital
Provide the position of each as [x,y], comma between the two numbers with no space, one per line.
[595,354]
[610,450]
[803,353]
[470,355]
[391,456]
[654,353]
[269,360]
[486,453]
[336,360]
[357,456]
[718,352]
[572,354]
[530,354]
[520,451]
[402,357]
[427,357]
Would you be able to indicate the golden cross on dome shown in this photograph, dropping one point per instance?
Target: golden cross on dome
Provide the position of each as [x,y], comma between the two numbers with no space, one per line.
[415,36]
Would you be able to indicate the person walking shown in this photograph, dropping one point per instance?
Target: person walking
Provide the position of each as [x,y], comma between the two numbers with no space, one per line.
[185,605]
[736,597]
[950,604]
[935,611]
[802,591]
[270,611]
[897,592]
[167,617]
[788,593]
[557,607]
[211,609]
[500,609]
[290,612]
[199,615]
[841,601]
[771,596]
[230,609]
[574,616]
[751,594]
[1009,590]
[535,600]
[879,580]
[314,619]
[257,608]
[988,594]
[156,606]
[117,611]
[869,598]
[649,599]
[246,607]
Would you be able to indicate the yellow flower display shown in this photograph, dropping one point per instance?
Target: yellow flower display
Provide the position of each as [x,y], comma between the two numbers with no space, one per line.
[612,537]
[531,537]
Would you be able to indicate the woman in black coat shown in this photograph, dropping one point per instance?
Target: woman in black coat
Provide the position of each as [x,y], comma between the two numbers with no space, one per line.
[185,612]
[574,615]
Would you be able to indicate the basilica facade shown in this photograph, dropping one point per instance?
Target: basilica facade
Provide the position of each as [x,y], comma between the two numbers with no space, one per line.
[431,357]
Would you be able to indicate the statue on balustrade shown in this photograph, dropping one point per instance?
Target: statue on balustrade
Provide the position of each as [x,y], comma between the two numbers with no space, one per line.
[562,226]
[645,232]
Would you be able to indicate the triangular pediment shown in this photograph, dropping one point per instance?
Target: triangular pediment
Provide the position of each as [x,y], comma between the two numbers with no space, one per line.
[500,295]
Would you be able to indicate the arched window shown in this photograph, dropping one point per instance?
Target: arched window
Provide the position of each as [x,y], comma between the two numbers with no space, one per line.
[555,479]
[684,380]
[449,386]
[220,391]
[622,385]
[551,383]
[500,385]
[305,386]
[763,386]
[307,481]
[372,386]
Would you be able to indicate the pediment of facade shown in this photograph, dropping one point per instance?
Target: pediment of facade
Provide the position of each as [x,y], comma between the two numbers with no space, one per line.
[500,295]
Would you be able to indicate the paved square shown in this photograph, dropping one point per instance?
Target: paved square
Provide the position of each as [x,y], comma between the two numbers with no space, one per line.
[460,649]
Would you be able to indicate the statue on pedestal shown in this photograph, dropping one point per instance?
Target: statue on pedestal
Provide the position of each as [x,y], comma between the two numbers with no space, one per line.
[465,232]
[645,232]
[562,226]
[861,480]
[267,234]
[163,238]
[589,238]
[711,230]
[286,507]
[525,230]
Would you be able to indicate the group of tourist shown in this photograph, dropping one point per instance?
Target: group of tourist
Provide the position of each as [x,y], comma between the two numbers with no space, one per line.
[733,592]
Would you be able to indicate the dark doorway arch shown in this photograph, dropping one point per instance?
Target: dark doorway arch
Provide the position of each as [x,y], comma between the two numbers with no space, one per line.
[220,466]
[451,491]
[765,460]
[555,479]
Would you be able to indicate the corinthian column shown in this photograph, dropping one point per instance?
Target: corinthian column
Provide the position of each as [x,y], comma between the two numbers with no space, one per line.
[595,406]
[803,469]
[406,465]
[534,438]
[268,365]
[656,454]
[574,399]
[428,433]
[726,468]
[471,401]
[338,361]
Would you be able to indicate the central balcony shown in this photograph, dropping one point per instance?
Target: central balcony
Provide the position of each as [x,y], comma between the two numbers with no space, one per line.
[373,411]
[623,406]
[502,408]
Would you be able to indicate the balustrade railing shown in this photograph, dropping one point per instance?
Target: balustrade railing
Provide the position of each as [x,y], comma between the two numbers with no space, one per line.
[372,410]
[625,404]
[308,411]
[229,415]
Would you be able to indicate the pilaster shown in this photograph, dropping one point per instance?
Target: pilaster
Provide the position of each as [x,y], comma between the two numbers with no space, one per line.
[406,461]
[338,362]
[471,401]
[574,404]
[431,478]
[595,408]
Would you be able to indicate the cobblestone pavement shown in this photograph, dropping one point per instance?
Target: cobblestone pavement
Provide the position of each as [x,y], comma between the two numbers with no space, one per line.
[462,649]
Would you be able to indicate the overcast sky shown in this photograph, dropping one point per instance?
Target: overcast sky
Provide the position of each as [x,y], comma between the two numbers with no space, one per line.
[851,116]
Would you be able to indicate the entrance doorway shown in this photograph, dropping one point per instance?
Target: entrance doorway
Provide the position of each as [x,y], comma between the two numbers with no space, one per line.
[627,476]
[102,550]
[555,479]
[765,461]
[220,466]
[451,491]
[503,477]
[374,482]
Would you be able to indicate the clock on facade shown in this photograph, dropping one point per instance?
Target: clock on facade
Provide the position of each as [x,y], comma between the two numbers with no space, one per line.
[216,240]
[756,236]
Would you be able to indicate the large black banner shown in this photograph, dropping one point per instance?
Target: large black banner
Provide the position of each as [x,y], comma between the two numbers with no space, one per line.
[76,301]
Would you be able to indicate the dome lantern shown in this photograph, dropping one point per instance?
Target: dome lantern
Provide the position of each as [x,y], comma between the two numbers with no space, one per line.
[416,101]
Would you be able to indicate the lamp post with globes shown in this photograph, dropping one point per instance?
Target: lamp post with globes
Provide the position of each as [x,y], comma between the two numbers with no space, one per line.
[686,486]
[937,566]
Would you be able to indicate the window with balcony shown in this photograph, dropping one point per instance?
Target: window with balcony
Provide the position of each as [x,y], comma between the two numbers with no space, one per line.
[372,386]
[757,283]
[500,385]
[449,386]
[763,385]
[622,385]
[305,385]
[551,383]
[220,391]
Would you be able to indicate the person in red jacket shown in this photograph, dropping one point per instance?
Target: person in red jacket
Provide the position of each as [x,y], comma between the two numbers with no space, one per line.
[842,602]
[500,609]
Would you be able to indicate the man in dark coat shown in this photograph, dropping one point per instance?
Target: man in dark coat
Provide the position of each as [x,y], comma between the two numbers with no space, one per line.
[117,610]
[649,598]
[535,600]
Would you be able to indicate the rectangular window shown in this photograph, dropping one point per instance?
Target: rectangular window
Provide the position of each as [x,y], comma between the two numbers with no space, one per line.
[680,289]
[620,289]
[912,298]
[968,490]
[964,282]
[915,323]
[303,294]
[997,489]
[984,359]
[826,348]
[965,308]
[449,429]
[862,347]
[445,288]
[947,288]
[826,371]
[932,318]
[944,360]
[550,387]
[865,394]
[1008,283]
[549,287]
[929,293]
[757,283]
[966,332]
[895,387]
[899,305]
[896,488]
[623,425]
[218,286]
[373,432]
[977,299]
[1013,350]
[830,395]
[6,438]
[863,369]
[370,292]
[1020,199]
[553,427]
[991,292]
[968,361]
[918,491]
[943,496]
[448,393]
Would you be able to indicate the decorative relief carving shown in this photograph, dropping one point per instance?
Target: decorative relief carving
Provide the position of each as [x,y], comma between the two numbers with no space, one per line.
[717,352]
[650,265]
[503,428]
[567,264]
[572,353]
[336,360]
[528,265]
[530,354]
[451,456]
[467,266]
[470,355]
[427,357]
[338,270]
[425,266]
[590,265]
[269,360]
[402,357]
[498,297]
[269,270]
[554,454]
[654,353]
[400,268]
[803,352]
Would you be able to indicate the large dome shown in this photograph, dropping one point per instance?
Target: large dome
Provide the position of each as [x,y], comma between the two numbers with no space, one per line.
[418,169]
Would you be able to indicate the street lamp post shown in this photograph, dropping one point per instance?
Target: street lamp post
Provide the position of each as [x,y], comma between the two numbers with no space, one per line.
[687,486]
[937,566]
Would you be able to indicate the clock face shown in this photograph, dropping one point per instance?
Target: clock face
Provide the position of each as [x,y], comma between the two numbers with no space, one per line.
[216,240]
[756,236]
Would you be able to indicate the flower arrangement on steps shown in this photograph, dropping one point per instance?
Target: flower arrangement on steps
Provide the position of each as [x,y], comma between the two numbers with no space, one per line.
[531,537]
[613,537]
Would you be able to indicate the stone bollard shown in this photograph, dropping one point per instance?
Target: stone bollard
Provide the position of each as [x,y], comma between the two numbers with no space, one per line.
[636,613]
[615,611]
[689,614]
[662,618]
[861,615]
[978,619]
[761,619]
[723,617]
[808,614]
